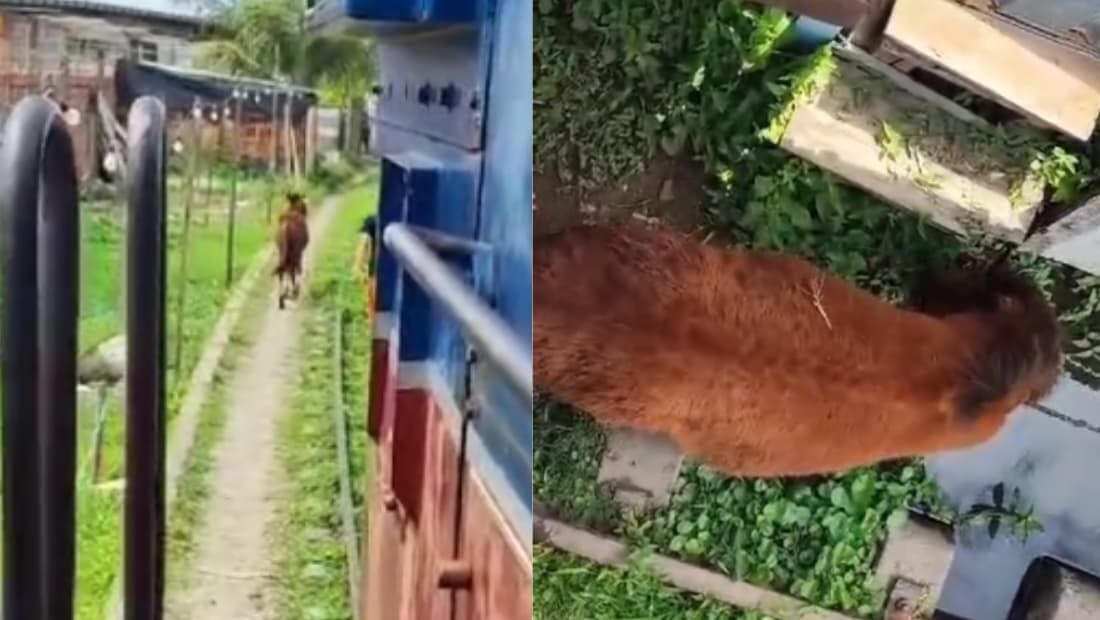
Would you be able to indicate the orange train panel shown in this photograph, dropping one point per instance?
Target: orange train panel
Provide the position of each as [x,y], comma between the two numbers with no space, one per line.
[403,554]
[501,569]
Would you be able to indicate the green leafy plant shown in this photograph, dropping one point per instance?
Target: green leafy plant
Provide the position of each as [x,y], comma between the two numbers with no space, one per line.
[1016,513]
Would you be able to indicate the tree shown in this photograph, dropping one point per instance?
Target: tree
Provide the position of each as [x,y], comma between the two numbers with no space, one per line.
[268,39]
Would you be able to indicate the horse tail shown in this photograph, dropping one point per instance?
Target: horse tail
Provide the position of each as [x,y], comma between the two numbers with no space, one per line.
[282,242]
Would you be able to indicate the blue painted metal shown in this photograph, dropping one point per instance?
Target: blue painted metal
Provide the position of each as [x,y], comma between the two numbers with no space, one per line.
[1049,452]
[807,33]
[500,432]
[481,327]
[453,127]
[384,15]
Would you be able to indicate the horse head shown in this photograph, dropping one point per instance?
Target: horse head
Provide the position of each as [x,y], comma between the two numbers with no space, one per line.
[1020,342]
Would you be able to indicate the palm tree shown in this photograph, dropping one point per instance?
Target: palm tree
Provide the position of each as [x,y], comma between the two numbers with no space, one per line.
[268,39]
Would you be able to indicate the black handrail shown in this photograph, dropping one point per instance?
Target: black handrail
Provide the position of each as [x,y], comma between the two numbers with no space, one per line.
[145,363]
[38,331]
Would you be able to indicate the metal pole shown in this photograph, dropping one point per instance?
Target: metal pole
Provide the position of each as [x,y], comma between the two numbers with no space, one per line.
[491,336]
[233,191]
[38,332]
[145,406]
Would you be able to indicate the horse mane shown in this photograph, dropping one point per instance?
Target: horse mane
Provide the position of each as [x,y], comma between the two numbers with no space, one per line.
[1023,342]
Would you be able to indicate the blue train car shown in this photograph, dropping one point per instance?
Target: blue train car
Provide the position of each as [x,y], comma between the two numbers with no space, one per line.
[451,389]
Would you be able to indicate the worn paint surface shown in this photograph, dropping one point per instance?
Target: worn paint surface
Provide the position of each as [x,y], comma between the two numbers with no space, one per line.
[452,127]
[1052,454]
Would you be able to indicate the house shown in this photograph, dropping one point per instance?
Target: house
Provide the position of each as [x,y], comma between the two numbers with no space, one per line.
[71,47]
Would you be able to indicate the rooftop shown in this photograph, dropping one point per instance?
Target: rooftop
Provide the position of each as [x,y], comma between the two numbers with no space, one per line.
[180,11]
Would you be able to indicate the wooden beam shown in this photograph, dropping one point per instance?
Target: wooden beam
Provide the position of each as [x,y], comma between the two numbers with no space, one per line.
[903,81]
[1046,82]
[896,146]
[1074,239]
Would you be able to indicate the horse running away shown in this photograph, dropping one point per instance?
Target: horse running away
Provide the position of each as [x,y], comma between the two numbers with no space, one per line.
[291,239]
[760,364]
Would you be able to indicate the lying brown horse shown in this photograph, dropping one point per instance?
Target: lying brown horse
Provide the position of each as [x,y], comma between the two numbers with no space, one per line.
[760,364]
[291,239]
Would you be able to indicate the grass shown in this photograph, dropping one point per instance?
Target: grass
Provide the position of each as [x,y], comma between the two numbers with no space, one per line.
[709,81]
[569,587]
[313,566]
[99,512]
[187,510]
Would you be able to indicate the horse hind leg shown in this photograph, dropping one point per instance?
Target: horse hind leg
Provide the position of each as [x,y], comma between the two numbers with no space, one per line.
[296,281]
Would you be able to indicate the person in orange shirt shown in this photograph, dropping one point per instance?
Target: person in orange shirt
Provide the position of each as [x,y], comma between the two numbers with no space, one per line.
[365,259]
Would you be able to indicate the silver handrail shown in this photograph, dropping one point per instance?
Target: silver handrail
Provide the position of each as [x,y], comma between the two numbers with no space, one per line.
[490,336]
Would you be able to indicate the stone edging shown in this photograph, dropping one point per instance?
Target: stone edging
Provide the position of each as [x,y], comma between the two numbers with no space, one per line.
[612,552]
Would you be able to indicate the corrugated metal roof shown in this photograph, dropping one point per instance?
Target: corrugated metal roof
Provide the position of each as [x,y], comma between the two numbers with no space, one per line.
[191,11]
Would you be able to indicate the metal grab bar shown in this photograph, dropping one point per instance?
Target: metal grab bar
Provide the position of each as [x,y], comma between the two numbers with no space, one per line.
[38,332]
[143,565]
[491,336]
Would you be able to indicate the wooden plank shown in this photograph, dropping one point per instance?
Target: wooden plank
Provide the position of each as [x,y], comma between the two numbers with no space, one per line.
[1074,239]
[896,75]
[1063,89]
[895,146]
[608,551]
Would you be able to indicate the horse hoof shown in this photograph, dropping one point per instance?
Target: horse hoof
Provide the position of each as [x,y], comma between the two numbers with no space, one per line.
[282,302]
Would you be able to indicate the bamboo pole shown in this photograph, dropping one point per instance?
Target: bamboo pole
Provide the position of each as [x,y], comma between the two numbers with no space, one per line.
[233,191]
[181,301]
[212,166]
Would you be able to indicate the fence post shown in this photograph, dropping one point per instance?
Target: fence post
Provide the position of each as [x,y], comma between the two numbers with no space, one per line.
[145,364]
[233,190]
[185,242]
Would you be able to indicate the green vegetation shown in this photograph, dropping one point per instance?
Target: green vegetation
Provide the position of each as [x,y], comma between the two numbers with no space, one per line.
[187,510]
[814,538]
[103,243]
[269,39]
[568,587]
[707,80]
[313,566]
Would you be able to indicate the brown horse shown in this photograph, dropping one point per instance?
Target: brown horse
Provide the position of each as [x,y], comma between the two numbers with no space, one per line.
[760,364]
[291,239]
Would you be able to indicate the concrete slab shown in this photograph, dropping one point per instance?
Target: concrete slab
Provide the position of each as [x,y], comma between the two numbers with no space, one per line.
[639,468]
[914,564]
[1080,597]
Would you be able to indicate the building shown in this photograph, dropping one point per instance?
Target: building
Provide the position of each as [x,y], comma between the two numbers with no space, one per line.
[72,47]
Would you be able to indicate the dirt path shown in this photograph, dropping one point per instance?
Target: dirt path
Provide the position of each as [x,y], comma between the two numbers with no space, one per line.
[232,571]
